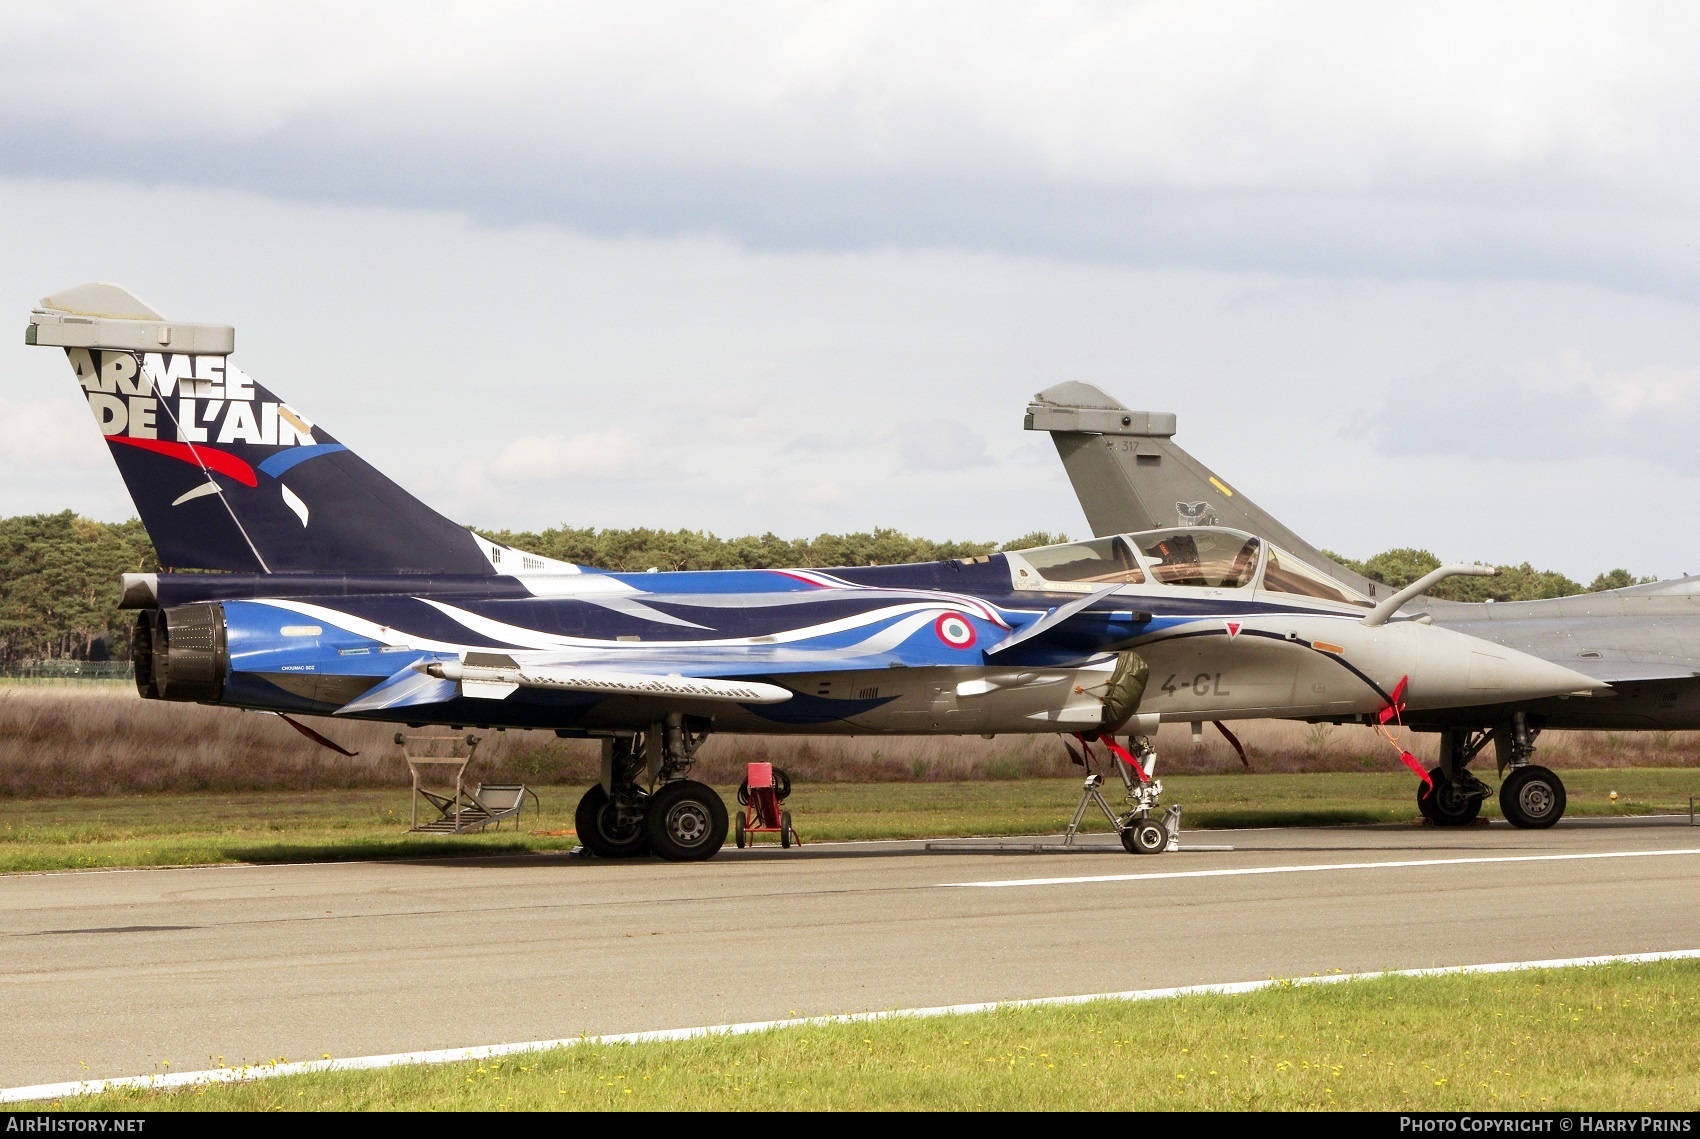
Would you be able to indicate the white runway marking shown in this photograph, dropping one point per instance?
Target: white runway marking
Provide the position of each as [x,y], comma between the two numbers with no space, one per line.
[490,1051]
[1239,871]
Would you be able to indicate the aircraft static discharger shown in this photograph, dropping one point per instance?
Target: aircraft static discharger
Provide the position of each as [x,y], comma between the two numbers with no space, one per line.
[1642,641]
[341,594]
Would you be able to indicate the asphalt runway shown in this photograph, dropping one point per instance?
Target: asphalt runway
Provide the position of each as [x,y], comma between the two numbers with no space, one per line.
[118,973]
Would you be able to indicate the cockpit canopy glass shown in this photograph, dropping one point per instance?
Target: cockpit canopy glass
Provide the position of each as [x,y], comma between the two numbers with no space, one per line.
[1219,559]
[1199,556]
[1102,560]
[1286,574]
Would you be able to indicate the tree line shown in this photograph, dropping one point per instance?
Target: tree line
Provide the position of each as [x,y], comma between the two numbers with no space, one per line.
[1524,582]
[637,550]
[59,586]
[59,572]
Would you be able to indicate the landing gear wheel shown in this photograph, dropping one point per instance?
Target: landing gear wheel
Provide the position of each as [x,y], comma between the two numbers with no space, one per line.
[1448,803]
[686,821]
[1145,836]
[611,828]
[786,834]
[1532,797]
[738,829]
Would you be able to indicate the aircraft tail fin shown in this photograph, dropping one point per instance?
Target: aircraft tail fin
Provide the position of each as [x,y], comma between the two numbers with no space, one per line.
[224,474]
[1129,475]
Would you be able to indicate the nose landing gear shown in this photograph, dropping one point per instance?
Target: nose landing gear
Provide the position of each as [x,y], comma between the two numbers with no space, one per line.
[1139,832]
[1153,836]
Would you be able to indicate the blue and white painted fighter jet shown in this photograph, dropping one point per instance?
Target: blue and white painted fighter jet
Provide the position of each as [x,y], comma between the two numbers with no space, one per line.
[336,592]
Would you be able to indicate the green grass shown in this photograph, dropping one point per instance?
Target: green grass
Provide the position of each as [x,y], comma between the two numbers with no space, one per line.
[1615,1037]
[183,830]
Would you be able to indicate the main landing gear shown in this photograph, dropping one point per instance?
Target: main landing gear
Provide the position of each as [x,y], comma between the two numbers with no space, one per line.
[1530,796]
[645,804]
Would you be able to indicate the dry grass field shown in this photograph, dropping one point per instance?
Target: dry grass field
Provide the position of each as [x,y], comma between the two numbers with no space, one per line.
[91,739]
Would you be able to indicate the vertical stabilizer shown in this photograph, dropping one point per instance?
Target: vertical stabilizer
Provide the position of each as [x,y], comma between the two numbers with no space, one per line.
[224,474]
[1129,475]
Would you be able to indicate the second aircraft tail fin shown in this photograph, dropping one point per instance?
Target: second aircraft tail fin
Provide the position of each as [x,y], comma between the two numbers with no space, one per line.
[1129,475]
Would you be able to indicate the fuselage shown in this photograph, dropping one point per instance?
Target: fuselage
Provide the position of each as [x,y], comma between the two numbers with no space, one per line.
[1643,639]
[941,647]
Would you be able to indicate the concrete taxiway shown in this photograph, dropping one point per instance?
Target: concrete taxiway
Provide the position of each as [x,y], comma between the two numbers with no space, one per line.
[117,973]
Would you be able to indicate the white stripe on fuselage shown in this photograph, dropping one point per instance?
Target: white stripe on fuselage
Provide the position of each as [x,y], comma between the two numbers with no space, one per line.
[361,627]
[533,639]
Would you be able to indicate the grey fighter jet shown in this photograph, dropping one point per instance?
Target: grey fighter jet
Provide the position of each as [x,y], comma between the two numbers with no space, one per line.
[1644,640]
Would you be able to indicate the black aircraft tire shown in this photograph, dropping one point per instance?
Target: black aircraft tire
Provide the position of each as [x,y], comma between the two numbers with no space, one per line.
[1444,804]
[1425,796]
[1532,797]
[600,829]
[686,821]
[1145,836]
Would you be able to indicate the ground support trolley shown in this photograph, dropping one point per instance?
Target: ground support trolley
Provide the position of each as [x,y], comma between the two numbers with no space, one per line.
[762,796]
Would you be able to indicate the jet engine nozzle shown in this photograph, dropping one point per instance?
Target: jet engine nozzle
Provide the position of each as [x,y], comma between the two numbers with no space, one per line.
[182,653]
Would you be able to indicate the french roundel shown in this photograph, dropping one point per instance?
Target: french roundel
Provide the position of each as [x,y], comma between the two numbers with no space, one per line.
[954,631]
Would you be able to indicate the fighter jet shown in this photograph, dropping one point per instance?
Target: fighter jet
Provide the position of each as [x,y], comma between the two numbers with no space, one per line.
[338,593]
[1643,641]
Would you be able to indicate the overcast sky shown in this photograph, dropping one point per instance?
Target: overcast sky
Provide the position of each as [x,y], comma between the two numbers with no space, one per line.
[1410,274]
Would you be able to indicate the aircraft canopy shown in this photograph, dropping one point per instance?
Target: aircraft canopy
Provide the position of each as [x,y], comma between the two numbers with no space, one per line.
[1211,557]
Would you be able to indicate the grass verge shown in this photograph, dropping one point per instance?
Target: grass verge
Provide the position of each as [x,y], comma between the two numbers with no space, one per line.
[181,830]
[1609,1037]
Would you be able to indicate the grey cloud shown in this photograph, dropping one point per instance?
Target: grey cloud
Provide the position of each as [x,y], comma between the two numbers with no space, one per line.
[1478,409]
[941,445]
[1312,140]
[1550,229]
[818,443]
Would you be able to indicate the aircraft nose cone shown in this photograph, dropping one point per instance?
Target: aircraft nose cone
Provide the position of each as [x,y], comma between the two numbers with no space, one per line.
[1507,673]
[1459,670]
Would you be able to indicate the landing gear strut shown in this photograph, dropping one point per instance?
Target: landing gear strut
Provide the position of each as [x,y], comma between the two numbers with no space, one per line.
[1455,795]
[1139,831]
[644,803]
[1530,796]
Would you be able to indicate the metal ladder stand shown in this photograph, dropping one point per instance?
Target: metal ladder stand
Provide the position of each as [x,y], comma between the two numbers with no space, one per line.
[439,761]
[1142,797]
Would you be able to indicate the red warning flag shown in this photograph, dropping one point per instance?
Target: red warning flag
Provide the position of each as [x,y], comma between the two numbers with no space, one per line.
[1415,765]
[1395,702]
[1395,710]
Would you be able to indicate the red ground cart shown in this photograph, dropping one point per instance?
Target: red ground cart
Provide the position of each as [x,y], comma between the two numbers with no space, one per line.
[762,793]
